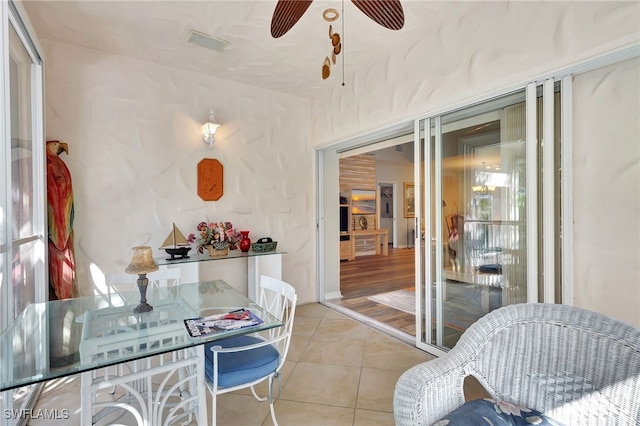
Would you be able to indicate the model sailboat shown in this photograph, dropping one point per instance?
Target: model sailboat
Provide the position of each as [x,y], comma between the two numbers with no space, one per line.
[176,244]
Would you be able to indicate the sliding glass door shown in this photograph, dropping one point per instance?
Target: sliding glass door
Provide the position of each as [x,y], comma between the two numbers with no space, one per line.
[23,275]
[23,200]
[485,238]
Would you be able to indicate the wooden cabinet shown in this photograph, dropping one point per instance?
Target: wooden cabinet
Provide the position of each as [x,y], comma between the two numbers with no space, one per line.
[346,248]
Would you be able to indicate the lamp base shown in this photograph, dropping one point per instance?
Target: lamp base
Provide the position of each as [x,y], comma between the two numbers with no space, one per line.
[142,307]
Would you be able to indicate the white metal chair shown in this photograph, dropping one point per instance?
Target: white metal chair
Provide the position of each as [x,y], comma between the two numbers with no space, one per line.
[119,282]
[245,361]
[121,376]
[165,277]
[113,332]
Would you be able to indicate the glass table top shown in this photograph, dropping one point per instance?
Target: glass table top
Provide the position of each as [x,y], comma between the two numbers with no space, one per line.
[63,337]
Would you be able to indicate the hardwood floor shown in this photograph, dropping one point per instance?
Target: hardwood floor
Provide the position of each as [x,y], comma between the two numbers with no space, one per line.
[369,275]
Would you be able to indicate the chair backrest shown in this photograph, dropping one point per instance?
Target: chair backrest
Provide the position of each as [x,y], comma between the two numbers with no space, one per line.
[280,299]
[119,282]
[572,364]
[113,332]
[165,277]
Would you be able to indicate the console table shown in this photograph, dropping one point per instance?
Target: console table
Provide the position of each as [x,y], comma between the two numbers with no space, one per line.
[382,238]
[268,263]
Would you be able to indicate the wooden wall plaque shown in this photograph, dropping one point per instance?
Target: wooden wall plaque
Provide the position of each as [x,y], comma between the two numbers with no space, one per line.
[210,179]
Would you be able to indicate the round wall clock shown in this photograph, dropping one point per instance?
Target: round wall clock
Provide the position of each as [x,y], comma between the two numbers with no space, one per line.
[210,179]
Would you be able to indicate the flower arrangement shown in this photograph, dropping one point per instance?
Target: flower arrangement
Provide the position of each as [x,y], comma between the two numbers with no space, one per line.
[218,234]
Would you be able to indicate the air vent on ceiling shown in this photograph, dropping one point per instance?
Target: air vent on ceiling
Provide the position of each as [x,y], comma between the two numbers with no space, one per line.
[207,41]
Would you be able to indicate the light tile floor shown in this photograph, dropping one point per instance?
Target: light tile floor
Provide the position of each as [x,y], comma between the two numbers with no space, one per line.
[338,372]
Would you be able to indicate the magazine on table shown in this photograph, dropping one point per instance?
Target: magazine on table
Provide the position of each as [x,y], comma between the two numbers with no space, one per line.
[219,323]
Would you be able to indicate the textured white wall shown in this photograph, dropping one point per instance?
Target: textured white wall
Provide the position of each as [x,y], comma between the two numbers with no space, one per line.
[606,185]
[483,47]
[135,136]
[474,49]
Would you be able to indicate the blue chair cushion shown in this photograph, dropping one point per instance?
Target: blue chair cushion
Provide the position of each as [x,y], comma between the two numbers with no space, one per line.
[236,368]
[492,412]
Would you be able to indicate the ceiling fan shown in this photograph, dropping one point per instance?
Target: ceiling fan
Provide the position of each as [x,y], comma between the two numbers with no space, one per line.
[387,13]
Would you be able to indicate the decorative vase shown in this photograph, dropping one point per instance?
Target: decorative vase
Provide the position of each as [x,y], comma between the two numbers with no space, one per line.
[218,249]
[245,242]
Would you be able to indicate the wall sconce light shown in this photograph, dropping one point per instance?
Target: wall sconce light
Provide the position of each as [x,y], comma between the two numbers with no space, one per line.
[210,128]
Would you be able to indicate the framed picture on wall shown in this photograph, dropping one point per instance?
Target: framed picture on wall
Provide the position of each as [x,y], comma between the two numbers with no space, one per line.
[409,200]
[363,201]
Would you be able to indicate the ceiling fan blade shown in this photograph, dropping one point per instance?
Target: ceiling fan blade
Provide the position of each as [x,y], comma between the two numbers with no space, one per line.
[286,14]
[387,13]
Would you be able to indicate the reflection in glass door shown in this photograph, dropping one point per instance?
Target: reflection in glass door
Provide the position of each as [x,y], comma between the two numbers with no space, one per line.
[473,256]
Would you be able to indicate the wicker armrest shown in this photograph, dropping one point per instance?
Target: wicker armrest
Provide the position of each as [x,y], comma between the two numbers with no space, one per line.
[427,392]
[574,365]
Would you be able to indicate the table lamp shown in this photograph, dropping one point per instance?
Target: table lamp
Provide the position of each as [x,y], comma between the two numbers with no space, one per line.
[142,263]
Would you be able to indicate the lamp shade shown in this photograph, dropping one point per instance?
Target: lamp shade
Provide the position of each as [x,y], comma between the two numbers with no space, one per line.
[141,261]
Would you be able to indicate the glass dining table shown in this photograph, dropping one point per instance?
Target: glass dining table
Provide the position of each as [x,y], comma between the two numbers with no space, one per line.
[65,337]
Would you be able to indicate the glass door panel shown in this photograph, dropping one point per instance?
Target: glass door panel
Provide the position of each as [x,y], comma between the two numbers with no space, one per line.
[22,173]
[22,198]
[475,163]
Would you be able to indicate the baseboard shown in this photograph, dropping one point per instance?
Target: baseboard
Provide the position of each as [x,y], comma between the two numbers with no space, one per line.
[365,253]
[333,295]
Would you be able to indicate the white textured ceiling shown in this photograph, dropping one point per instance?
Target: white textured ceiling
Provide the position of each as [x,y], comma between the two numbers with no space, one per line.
[157,31]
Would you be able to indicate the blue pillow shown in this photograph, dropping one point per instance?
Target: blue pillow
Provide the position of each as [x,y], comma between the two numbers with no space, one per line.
[492,412]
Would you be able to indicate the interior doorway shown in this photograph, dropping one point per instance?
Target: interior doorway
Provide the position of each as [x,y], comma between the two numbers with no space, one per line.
[387,196]
[371,180]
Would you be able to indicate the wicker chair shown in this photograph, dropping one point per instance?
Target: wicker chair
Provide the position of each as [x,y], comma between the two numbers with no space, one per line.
[576,366]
